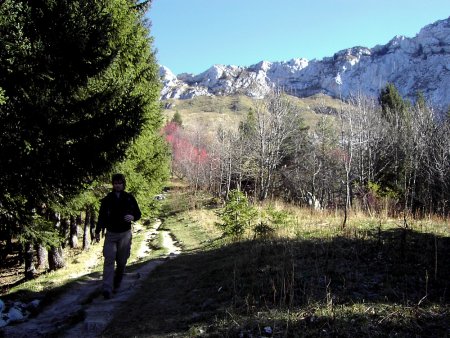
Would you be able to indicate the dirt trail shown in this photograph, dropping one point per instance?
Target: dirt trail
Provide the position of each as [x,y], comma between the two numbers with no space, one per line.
[82,311]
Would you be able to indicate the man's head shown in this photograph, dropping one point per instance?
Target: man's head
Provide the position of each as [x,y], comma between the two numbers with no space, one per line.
[118,182]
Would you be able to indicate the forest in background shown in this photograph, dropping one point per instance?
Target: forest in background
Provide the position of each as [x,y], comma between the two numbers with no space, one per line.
[382,154]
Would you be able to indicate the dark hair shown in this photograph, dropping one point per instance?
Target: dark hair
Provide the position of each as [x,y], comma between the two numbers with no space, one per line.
[118,178]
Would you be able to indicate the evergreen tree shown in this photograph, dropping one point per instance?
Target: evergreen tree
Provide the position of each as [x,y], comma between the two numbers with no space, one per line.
[392,104]
[177,119]
[393,166]
[2,96]
[79,81]
[237,215]
[147,169]
[247,128]
[421,103]
[390,164]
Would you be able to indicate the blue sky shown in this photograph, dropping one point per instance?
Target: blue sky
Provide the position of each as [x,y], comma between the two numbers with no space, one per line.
[192,35]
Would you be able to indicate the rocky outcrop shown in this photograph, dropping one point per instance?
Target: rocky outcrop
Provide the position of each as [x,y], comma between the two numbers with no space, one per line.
[421,63]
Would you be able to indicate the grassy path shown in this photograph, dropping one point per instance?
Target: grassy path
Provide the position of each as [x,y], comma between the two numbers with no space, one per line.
[311,279]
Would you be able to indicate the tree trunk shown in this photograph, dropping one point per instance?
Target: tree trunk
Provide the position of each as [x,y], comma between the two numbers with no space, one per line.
[73,240]
[64,226]
[30,270]
[42,257]
[8,247]
[87,230]
[229,176]
[56,258]
[92,222]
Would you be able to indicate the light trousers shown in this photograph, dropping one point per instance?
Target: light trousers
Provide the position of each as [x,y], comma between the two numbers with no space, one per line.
[116,249]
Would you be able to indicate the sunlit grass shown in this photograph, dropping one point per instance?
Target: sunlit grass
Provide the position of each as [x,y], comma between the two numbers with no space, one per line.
[208,113]
[194,229]
[80,263]
[305,222]
[207,218]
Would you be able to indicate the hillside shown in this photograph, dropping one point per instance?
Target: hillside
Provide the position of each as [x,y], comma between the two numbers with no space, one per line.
[210,112]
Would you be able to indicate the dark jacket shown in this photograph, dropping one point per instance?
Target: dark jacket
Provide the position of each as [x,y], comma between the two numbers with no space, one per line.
[113,209]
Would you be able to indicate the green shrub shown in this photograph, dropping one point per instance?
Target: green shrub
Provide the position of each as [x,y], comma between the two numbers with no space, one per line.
[270,220]
[263,230]
[236,216]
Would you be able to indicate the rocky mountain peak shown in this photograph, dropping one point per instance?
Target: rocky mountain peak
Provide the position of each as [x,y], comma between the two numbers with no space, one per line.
[421,63]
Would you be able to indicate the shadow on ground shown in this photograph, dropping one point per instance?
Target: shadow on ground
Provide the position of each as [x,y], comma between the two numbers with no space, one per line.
[371,283]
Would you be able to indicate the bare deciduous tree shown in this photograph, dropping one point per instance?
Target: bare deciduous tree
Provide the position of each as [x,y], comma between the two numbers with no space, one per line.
[277,121]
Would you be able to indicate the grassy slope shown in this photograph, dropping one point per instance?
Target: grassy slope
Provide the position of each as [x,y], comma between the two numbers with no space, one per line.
[374,279]
[209,113]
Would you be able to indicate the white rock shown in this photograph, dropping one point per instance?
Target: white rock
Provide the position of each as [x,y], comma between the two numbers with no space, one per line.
[15,314]
[412,64]
[34,304]
[268,330]
[3,322]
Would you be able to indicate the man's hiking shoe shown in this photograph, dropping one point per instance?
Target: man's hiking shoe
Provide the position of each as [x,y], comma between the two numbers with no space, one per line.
[117,283]
[106,294]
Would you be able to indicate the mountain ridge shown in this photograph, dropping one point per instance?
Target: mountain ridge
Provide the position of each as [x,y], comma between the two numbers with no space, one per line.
[418,64]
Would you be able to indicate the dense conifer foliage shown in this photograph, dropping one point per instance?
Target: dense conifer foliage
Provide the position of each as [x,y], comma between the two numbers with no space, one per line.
[79,83]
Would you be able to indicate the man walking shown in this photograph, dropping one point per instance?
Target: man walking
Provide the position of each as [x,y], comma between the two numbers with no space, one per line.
[117,210]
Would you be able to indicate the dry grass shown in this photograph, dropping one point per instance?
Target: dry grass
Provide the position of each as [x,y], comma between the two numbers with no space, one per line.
[375,278]
[207,218]
[208,113]
[312,279]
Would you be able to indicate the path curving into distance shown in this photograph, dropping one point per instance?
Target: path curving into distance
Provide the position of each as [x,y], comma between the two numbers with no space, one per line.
[82,311]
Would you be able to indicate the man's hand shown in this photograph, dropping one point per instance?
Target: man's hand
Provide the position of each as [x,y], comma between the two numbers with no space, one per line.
[97,237]
[128,218]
